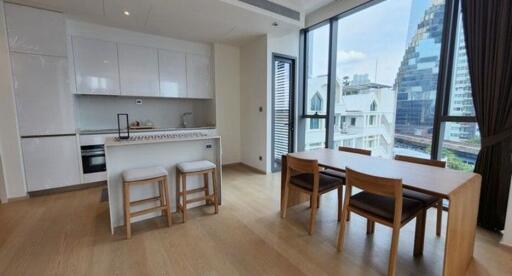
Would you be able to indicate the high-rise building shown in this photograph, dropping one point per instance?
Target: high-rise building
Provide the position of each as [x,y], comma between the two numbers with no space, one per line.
[416,81]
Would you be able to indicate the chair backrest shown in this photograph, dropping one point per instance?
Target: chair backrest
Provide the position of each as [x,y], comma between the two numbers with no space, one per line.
[423,161]
[355,150]
[374,184]
[299,165]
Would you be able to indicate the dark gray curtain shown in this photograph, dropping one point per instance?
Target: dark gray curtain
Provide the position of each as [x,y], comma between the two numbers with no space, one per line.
[488,31]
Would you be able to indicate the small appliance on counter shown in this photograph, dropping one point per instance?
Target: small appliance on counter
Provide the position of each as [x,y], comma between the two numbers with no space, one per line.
[142,125]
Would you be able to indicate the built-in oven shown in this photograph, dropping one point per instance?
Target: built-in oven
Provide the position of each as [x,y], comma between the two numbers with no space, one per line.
[93,159]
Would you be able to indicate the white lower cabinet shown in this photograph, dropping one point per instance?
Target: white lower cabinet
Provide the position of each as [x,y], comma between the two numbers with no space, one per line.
[50,162]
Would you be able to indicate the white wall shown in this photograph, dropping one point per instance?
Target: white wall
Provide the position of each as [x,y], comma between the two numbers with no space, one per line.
[10,148]
[227,97]
[332,9]
[253,95]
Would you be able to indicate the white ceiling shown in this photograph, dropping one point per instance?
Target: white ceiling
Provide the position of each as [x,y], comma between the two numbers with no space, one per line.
[225,21]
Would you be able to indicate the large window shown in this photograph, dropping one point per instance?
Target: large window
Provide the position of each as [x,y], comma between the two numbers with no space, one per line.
[388,64]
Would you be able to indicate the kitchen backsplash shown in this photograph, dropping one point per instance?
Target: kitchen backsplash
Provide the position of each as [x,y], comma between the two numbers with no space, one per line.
[99,112]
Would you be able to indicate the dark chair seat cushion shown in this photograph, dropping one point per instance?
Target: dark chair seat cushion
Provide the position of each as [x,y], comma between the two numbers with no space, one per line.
[427,200]
[383,206]
[333,173]
[305,181]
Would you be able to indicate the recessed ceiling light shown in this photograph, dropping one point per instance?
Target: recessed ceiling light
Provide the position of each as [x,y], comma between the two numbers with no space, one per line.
[126,13]
[275,24]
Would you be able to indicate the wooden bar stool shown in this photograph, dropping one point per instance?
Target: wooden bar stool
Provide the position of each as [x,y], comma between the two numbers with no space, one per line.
[145,176]
[185,169]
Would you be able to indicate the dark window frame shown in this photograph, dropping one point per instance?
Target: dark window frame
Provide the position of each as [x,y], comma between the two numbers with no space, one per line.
[444,85]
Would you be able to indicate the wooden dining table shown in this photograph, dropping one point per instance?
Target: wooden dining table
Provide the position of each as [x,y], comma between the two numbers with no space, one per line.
[461,189]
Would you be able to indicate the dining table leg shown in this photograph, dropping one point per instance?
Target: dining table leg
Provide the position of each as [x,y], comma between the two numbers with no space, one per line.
[461,227]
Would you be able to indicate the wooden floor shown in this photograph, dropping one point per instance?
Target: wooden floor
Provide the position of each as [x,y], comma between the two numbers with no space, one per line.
[69,234]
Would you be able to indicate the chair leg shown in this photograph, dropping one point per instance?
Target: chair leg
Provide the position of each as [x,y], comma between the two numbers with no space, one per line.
[312,220]
[394,251]
[340,202]
[439,217]
[215,195]
[370,227]
[341,233]
[184,196]
[127,222]
[285,200]
[419,235]
[167,201]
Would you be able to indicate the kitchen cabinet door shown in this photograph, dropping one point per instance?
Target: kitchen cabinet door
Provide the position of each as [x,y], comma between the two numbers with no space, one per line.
[43,102]
[96,66]
[50,162]
[35,31]
[198,77]
[173,74]
[138,67]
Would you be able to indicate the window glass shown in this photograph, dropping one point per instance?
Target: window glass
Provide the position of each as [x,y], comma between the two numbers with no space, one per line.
[315,134]
[387,78]
[317,60]
[461,100]
[460,145]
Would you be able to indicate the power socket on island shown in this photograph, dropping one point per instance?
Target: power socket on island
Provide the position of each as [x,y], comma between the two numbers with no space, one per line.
[209,146]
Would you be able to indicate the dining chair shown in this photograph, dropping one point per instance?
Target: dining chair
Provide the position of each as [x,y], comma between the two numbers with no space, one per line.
[381,201]
[303,174]
[428,200]
[341,175]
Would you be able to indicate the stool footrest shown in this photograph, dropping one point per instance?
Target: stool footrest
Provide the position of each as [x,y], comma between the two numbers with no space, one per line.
[199,199]
[149,210]
[197,190]
[142,201]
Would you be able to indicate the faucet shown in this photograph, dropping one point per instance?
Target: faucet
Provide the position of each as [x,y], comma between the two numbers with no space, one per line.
[183,122]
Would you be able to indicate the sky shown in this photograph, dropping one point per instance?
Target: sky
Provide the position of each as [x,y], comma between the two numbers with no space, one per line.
[371,41]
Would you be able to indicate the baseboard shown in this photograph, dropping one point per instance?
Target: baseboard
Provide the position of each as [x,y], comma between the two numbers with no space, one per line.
[14,199]
[67,189]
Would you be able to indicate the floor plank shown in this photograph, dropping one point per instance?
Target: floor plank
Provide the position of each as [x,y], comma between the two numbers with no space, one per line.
[69,234]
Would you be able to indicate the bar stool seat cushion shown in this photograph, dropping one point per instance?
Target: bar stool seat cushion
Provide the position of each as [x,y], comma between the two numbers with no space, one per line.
[195,166]
[143,173]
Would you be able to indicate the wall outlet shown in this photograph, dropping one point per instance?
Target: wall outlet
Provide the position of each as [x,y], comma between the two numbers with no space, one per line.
[261,108]
[261,158]
[138,101]
[209,146]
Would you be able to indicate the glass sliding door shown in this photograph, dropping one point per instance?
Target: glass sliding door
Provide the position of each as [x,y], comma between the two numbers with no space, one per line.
[283,73]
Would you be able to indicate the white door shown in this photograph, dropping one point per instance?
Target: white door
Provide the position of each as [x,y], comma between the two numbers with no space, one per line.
[35,31]
[96,66]
[50,162]
[43,101]
[173,74]
[198,77]
[138,67]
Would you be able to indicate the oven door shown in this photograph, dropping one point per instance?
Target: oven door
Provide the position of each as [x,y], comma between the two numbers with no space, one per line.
[93,159]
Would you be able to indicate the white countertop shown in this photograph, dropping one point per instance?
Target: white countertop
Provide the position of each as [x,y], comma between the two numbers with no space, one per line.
[159,138]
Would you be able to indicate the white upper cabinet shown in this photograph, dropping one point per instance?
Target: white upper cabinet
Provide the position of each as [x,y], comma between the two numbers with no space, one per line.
[198,77]
[173,74]
[96,66]
[138,68]
[35,31]
[41,90]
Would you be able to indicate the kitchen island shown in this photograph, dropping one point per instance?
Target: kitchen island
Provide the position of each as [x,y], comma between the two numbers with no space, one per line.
[165,150]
